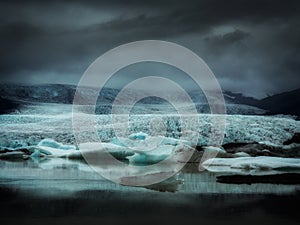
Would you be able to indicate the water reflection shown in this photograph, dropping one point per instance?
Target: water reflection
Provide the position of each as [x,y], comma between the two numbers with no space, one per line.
[63,175]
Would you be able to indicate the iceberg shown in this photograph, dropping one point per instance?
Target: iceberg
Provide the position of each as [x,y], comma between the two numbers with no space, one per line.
[151,149]
[241,154]
[117,151]
[153,156]
[217,150]
[36,154]
[54,144]
[89,148]
[179,153]
[141,140]
[47,151]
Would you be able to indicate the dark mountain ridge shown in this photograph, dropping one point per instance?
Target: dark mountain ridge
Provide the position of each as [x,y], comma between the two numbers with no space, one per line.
[12,96]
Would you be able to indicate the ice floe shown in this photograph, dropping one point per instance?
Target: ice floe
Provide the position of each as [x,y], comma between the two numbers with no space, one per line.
[247,164]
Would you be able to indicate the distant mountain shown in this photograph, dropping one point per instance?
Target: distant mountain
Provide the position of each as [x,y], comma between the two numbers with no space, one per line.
[8,106]
[64,94]
[51,93]
[238,98]
[13,96]
[284,103]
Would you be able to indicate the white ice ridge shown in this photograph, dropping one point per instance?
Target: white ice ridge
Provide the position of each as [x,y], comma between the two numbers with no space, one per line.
[262,163]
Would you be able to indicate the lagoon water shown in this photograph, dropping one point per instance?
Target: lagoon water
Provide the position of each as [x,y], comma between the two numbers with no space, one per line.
[64,191]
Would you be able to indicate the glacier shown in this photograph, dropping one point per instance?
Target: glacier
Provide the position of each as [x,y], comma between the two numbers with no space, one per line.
[54,121]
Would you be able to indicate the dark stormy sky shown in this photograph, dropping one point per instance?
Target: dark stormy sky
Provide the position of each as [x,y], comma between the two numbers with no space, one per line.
[251,46]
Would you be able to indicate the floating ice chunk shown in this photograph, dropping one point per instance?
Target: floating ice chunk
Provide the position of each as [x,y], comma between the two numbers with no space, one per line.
[251,163]
[161,140]
[36,154]
[266,151]
[54,152]
[118,152]
[136,144]
[212,151]
[270,144]
[49,143]
[149,157]
[174,141]
[149,143]
[90,148]
[241,154]
[179,152]
[54,144]
[138,136]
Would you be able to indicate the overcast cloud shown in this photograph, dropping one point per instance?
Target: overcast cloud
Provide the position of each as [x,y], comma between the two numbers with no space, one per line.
[251,46]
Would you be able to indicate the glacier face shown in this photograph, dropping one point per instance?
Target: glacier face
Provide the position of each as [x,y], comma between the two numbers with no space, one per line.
[54,121]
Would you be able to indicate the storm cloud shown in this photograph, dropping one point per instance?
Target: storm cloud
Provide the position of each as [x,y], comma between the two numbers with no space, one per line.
[251,46]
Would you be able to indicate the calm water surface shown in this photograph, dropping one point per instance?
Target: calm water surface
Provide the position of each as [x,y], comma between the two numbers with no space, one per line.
[63,191]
